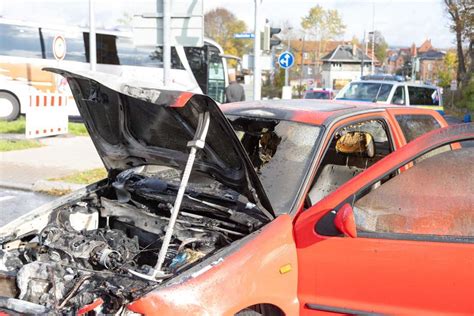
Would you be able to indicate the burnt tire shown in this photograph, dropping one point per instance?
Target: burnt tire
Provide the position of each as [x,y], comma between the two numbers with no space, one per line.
[9,107]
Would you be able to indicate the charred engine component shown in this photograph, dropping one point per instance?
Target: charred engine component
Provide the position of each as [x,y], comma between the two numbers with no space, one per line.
[101,247]
[91,250]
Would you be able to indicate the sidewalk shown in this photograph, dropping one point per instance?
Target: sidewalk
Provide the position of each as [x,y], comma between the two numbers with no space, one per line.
[60,156]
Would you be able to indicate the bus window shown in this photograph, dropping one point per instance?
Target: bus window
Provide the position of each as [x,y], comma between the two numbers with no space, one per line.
[145,56]
[106,49]
[196,57]
[216,76]
[20,41]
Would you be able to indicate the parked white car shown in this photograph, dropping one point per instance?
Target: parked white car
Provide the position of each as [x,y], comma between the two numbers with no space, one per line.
[393,92]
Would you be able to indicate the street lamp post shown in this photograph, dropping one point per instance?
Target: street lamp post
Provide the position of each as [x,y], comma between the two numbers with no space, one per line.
[92,43]
[302,66]
[372,66]
[257,75]
[287,71]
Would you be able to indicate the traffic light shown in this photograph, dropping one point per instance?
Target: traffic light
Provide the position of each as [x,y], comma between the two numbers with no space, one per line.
[268,41]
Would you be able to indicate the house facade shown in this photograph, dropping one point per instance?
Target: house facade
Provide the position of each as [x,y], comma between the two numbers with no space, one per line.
[343,65]
[430,61]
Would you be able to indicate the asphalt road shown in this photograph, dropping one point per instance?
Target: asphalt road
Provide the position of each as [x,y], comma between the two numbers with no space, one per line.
[14,203]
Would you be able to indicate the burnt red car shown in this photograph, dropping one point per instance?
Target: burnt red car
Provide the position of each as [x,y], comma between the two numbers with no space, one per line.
[276,208]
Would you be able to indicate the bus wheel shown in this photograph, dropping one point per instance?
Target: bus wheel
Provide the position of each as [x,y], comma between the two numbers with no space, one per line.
[9,107]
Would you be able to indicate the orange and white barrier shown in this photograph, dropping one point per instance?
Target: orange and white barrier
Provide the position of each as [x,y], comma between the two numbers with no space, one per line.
[46,115]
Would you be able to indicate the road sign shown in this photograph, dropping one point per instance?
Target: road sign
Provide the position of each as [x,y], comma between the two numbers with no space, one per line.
[59,47]
[244,35]
[286,60]
[454,85]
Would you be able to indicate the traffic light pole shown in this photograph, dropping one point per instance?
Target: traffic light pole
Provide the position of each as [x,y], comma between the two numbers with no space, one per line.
[257,75]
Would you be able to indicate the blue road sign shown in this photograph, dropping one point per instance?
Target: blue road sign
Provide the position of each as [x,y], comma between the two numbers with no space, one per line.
[286,60]
[244,35]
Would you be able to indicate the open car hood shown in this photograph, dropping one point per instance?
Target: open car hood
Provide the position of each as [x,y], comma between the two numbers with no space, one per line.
[134,124]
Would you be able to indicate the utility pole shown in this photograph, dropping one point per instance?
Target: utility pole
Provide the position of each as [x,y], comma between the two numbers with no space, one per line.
[287,70]
[166,42]
[257,75]
[92,44]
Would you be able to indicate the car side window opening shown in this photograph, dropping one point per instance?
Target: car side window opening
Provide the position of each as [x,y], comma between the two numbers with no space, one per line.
[423,96]
[348,155]
[399,96]
[432,198]
[414,126]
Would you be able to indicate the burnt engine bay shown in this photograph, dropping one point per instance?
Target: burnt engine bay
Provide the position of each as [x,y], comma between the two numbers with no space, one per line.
[94,249]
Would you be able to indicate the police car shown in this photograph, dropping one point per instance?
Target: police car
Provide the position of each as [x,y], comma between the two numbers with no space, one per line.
[393,90]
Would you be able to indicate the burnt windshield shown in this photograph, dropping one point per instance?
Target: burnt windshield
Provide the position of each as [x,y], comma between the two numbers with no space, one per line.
[281,153]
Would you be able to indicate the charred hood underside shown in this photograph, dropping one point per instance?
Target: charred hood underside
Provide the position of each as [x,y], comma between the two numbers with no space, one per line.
[164,209]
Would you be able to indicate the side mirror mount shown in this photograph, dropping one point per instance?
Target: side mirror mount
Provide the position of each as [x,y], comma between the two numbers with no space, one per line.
[345,221]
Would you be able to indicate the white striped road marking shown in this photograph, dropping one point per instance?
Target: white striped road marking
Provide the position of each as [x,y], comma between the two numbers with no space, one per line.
[6,198]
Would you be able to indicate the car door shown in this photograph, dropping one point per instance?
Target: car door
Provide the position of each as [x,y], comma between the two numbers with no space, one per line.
[414,250]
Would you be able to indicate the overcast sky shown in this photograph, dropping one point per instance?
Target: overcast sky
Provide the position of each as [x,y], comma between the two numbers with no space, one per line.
[401,22]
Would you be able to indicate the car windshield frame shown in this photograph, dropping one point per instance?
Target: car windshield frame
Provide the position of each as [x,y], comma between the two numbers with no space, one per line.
[282,201]
[381,94]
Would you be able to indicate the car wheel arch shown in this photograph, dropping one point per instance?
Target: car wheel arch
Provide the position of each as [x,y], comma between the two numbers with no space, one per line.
[264,309]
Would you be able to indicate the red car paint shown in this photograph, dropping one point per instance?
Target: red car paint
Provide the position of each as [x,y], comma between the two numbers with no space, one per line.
[326,269]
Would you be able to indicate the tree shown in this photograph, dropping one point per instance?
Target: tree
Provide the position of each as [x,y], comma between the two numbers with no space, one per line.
[322,25]
[461,13]
[220,24]
[448,69]
[381,46]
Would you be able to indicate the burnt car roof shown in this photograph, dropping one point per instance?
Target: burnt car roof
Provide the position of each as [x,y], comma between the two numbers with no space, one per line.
[310,111]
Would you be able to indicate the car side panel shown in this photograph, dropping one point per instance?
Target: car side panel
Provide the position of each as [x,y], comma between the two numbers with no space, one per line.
[263,271]
[388,276]
[363,275]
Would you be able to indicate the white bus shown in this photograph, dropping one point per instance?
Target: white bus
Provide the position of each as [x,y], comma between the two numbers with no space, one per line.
[25,48]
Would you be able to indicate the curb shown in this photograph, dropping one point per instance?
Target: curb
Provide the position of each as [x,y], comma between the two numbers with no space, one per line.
[43,186]
[16,186]
[55,187]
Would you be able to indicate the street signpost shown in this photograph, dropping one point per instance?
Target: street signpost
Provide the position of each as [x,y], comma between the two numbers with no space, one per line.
[286,60]
[244,35]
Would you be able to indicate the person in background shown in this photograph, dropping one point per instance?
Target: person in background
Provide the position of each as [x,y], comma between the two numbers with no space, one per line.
[234,91]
